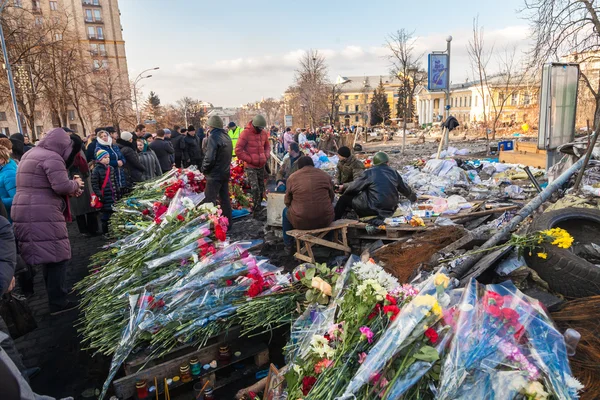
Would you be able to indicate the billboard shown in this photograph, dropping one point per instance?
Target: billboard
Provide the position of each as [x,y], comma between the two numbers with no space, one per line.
[437,72]
[558,105]
[288,121]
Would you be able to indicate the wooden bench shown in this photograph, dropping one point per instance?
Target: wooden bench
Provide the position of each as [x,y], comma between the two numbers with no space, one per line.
[306,239]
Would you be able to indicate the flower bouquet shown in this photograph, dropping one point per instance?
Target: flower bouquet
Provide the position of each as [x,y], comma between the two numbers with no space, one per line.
[505,347]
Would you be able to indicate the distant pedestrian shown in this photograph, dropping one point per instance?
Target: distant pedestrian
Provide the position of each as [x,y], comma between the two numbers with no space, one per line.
[193,148]
[216,165]
[40,211]
[8,178]
[133,168]
[254,149]
[177,140]
[163,151]
[117,159]
[149,160]
[234,134]
[105,186]
[288,137]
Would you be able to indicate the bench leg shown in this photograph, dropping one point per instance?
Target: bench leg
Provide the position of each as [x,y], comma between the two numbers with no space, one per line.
[345,238]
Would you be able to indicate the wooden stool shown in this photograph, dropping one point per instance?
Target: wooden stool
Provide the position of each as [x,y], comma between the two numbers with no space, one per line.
[305,239]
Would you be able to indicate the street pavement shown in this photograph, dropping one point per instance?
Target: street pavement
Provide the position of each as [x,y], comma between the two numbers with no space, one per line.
[66,369]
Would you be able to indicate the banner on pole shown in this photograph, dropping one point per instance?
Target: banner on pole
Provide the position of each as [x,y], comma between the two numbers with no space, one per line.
[437,72]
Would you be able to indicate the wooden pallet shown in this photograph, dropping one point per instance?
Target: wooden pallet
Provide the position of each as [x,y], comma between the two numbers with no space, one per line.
[306,239]
[525,153]
[251,351]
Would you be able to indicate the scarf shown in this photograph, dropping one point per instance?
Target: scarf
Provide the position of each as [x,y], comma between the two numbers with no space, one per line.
[105,142]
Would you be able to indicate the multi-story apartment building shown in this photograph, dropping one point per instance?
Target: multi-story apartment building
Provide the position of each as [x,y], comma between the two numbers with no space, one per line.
[357,94]
[96,25]
[515,102]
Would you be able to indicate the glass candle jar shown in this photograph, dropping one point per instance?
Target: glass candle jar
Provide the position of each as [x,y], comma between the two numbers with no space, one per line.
[195,367]
[224,354]
[141,388]
[184,372]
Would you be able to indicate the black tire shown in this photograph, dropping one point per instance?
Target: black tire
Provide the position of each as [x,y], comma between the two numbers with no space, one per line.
[563,270]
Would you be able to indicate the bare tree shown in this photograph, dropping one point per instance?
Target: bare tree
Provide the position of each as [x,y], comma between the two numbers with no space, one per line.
[568,27]
[271,109]
[113,98]
[479,59]
[405,65]
[507,81]
[313,85]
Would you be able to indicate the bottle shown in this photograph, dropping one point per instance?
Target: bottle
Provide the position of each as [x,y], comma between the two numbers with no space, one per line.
[224,353]
[184,372]
[209,395]
[142,389]
[195,367]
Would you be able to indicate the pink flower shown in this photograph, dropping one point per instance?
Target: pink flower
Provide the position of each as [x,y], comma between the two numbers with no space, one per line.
[367,333]
[362,357]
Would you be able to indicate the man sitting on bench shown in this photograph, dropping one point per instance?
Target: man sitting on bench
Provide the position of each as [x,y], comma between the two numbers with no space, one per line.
[376,192]
[308,199]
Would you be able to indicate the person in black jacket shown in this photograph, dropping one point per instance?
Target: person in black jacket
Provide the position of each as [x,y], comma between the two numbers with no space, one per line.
[376,192]
[163,151]
[90,150]
[216,165]
[177,140]
[108,194]
[193,148]
[133,167]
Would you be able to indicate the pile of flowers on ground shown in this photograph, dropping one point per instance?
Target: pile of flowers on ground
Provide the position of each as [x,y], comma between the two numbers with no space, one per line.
[376,339]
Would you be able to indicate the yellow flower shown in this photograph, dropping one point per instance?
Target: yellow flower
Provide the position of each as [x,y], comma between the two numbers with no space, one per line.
[559,237]
[436,309]
[425,300]
[542,255]
[441,279]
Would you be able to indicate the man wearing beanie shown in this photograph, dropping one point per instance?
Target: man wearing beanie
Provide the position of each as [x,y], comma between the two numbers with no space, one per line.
[216,165]
[376,192]
[133,167]
[234,134]
[349,168]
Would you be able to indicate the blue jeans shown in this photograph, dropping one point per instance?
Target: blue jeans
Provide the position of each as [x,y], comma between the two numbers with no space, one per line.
[287,226]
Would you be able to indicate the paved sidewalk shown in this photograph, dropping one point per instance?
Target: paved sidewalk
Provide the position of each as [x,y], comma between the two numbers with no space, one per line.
[54,346]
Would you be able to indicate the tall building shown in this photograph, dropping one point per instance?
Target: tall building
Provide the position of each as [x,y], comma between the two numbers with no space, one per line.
[96,25]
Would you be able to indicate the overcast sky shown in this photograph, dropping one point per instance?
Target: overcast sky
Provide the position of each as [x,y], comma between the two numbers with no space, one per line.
[235,52]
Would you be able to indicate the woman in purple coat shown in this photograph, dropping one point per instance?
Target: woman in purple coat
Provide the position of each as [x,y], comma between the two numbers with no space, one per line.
[40,211]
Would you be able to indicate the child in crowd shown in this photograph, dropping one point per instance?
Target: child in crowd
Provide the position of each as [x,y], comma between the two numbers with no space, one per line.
[105,186]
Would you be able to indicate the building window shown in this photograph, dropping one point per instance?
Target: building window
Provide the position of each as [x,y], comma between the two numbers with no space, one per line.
[104,64]
[6,131]
[39,130]
[71,115]
[347,108]
[91,32]
[470,100]
[100,32]
[58,36]
[18,3]
[102,49]
[97,16]
[346,97]
[53,5]
[355,97]
[96,64]
[2,116]
[356,108]
[356,118]
[37,115]
[39,21]
[73,127]
[500,98]
[514,99]
[88,16]
[91,2]
[94,49]
[526,99]
[460,102]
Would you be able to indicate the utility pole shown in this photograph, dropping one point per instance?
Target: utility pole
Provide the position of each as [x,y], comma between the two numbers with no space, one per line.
[11,83]
[446,137]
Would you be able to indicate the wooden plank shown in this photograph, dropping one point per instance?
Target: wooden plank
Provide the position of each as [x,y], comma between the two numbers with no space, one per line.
[486,212]
[125,387]
[334,225]
[537,160]
[133,364]
[325,243]
[407,227]
[309,251]
[302,257]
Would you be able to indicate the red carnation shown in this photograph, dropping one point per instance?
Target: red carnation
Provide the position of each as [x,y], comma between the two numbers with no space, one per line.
[493,298]
[391,299]
[391,311]
[375,311]
[432,335]
[307,384]
[229,282]
[180,218]
[510,315]
[146,212]
[220,233]
[494,311]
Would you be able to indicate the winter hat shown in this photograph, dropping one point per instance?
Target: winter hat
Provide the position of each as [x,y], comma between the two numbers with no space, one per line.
[215,122]
[305,161]
[191,128]
[259,121]
[126,136]
[100,154]
[231,125]
[344,151]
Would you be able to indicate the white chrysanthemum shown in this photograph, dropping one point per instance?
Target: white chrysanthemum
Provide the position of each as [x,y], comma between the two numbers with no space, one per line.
[573,383]
[536,389]
[188,203]
[371,286]
[297,369]
[369,270]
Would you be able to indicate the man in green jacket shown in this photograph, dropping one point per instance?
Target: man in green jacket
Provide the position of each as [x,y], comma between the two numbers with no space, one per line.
[234,134]
[349,168]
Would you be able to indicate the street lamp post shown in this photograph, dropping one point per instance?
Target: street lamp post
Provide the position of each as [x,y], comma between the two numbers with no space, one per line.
[11,82]
[135,82]
[448,48]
